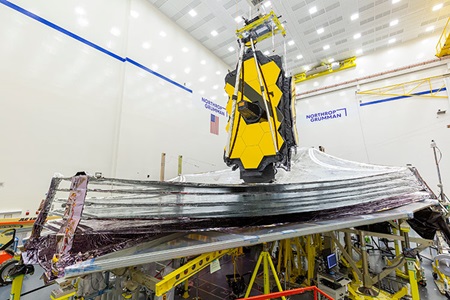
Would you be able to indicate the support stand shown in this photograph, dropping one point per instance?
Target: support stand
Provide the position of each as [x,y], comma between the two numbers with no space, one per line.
[442,197]
[267,261]
[17,274]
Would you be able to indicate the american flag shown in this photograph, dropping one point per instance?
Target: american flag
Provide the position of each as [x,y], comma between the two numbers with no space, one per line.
[214,124]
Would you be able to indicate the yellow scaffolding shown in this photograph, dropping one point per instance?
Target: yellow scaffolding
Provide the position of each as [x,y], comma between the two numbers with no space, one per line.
[264,27]
[192,267]
[443,45]
[328,69]
[430,88]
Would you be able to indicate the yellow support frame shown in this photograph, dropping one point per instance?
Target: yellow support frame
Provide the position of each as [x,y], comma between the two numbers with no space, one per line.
[191,268]
[267,263]
[408,88]
[343,65]
[288,261]
[443,45]
[16,287]
[382,295]
[269,18]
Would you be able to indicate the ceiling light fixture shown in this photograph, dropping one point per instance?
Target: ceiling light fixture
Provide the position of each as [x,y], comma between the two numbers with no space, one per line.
[313,10]
[306,68]
[291,43]
[393,23]
[115,31]
[395,1]
[214,33]
[320,30]
[231,49]
[299,56]
[354,16]
[134,14]
[83,22]
[357,36]
[163,34]
[267,4]
[359,51]
[438,6]
[146,45]
[331,60]
[79,10]
[429,28]
[391,41]
[238,19]
[326,47]
[266,52]
[193,13]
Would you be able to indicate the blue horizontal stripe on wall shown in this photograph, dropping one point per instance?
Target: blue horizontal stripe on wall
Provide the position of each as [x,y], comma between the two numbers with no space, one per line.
[402,97]
[157,74]
[89,43]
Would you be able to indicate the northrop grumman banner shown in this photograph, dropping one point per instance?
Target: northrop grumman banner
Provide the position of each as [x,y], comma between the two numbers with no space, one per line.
[214,107]
[327,115]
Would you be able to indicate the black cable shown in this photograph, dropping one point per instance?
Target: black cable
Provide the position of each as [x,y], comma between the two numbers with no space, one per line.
[387,250]
[422,256]
[440,154]
[394,267]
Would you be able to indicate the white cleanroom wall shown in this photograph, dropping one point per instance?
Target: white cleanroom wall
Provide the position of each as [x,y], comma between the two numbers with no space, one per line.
[102,86]
[382,129]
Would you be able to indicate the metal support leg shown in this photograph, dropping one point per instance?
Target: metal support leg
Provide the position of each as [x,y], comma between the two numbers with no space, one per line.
[16,288]
[267,263]
[275,276]
[186,289]
[366,289]
[17,274]
[252,279]
[266,275]
[365,260]
[311,254]
[413,278]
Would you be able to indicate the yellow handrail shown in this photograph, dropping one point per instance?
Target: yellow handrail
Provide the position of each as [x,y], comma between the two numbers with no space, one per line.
[442,45]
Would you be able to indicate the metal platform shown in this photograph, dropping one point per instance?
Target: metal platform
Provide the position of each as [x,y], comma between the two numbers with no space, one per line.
[194,243]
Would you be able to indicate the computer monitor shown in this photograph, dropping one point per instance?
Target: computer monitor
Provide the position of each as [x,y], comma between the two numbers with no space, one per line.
[331,261]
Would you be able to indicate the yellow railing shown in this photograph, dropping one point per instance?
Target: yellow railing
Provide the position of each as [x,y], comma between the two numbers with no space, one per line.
[443,47]
[429,87]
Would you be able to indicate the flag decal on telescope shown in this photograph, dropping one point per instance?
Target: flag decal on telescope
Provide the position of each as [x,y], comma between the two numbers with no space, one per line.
[214,124]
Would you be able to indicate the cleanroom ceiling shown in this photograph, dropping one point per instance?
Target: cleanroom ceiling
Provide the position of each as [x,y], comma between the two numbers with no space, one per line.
[318,31]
